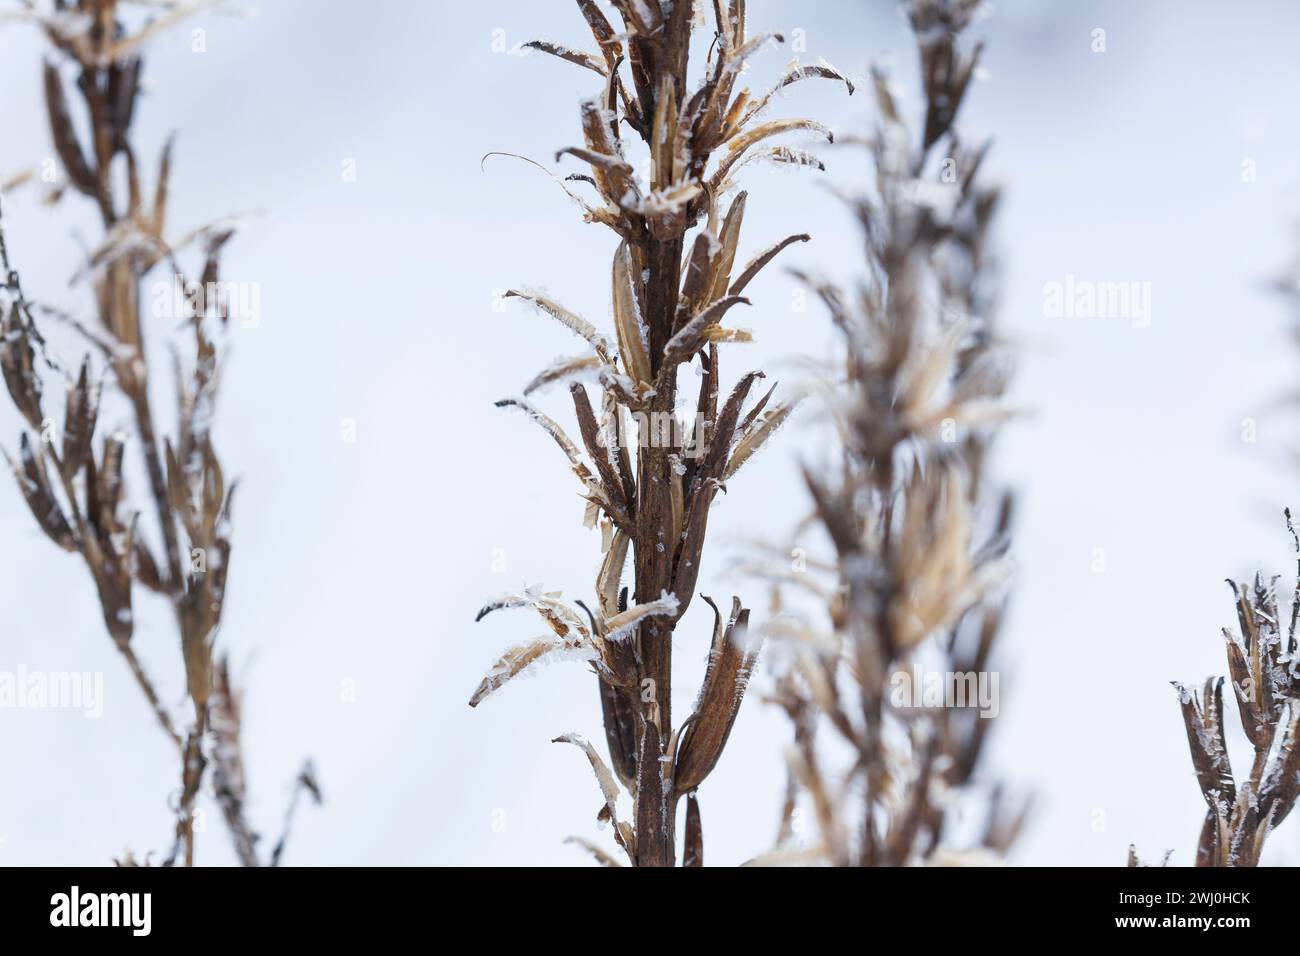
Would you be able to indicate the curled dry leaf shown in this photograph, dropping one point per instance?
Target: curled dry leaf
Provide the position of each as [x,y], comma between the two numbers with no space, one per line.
[601,857]
[622,625]
[608,788]
[519,658]
[571,320]
[573,56]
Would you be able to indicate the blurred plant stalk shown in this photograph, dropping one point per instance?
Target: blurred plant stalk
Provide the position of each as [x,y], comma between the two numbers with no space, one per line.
[918,532]
[80,499]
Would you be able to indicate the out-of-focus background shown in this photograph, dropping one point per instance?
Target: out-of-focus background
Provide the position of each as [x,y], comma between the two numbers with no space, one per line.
[1169,158]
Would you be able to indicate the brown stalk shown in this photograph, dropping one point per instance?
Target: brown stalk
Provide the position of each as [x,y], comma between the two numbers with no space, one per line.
[80,500]
[670,292]
[906,505]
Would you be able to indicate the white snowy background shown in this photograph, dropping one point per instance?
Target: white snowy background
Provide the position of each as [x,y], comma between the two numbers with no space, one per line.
[358,567]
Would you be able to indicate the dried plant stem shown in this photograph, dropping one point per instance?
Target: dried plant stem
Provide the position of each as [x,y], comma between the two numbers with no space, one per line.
[85,507]
[914,401]
[671,284]
[150,693]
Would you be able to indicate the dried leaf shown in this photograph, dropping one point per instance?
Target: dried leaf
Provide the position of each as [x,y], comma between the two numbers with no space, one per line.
[558,616]
[608,785]
[522,656]
[551,428]
[758,262]
[573,56]
[602,30]
[158,219]
[632,334]
[570,320]
[603,858]
[693,335]
[621,626]
[793,75]
[739,144]
[728,239]
[751,441]
[562,369]
[605,463]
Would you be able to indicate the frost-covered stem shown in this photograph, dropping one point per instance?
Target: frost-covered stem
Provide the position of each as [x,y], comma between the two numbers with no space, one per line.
[655,544]
[654,551]
[667,314]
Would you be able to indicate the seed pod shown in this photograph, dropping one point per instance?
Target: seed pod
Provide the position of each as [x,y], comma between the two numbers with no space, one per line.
[65,136]
[34,482]
[82,409]
[693,850]
[146,569]
[123,85]
[18,364]
[731,661]
[113,580]
[109,483]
